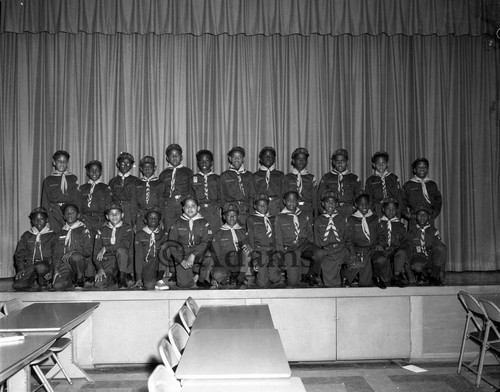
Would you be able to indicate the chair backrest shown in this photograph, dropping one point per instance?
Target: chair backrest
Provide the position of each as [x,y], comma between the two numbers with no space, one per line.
[168,354]
[474,310]
[178,338]
[163,380]
[493,313]
[193,305]
[14,305]
[187,317]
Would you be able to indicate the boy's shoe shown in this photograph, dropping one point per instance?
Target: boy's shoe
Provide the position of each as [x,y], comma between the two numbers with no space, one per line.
[214,285]
[161,285]
[345,283]
[79,284]
[397,281]
[203,285]
[88,283]
[380,283]
[129,280]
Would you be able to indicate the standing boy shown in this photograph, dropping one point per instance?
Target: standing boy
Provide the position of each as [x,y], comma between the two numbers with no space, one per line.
[237,185]
[59,188]
[382,185]
[72,251]
[342,181]
[148,191]
[294,243]
[268,180]
[330,235]
[302,182]
[123,186]
[34,252]
[113,244]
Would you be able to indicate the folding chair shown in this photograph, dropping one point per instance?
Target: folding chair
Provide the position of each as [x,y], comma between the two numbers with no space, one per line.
[178,338]
[493,343]
[193,305]
[477,327]
[187,317]
[163,380]
[168,355]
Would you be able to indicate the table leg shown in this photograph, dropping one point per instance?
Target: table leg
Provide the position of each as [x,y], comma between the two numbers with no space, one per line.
[20,381]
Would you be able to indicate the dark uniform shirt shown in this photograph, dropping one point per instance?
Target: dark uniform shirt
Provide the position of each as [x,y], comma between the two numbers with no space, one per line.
[81,242]
[332,240]
[25,251]
[181,186]
[93,206]
[287,235]
[206,191]
[377,192]
[193,241]
[257,232]
[346,190]
[123,239]
[413,197]
[230,187]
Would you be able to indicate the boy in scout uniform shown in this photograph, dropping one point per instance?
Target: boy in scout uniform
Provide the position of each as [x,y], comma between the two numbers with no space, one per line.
[268,180]
[123,187]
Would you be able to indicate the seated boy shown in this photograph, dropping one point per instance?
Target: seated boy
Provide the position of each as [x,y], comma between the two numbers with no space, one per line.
[112,247]
[94,197]
[59,188]
[123,186]
[397,247]
[341,181]
[294,243]
[382,185]
[72,251]
[260,228]
[429,253]
[268,180]
[302,182]
[148,242]
[330,235]
[148,192]
[232,250]
[193,233]
[364,237]
[34,252]
[236,184]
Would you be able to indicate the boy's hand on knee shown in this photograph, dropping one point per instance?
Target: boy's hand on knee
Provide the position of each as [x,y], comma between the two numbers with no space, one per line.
[100,255]
[190,260]
[100,275]
[184,264]
[20,274]
[67,256]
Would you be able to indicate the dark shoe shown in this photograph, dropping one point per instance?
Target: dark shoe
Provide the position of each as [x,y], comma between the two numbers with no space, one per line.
[122,281]
[129,280]
[79,283]
[380,283]
[203,285]
[435,281]
[397,281]
[345,283]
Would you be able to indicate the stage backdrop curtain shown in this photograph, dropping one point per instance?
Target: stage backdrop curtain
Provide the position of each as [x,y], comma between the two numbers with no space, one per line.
[96,95]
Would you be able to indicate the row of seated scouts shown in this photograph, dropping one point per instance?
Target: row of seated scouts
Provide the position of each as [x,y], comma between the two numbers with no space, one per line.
[206,230]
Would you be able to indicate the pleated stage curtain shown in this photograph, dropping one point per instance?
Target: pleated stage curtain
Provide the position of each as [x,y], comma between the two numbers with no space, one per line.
[96,95]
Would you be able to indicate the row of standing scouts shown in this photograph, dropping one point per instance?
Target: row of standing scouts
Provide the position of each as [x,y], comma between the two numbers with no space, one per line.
[205,230]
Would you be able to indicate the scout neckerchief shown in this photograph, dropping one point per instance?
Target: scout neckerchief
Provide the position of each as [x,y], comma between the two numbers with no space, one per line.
[152,240]
[389,227]
[38,240]
[233,229]
[331,226]
[148,187]
[424,187]
[64,183]
[191,224]
[422,238]
[123,176]
[239,172]
[364,222]
[267,222]
[295,215]
[92,186]
[205,182]
[382,177]
[67,240]
[113,232]
[172,181]
[268,171]
[299,175]
[340,176]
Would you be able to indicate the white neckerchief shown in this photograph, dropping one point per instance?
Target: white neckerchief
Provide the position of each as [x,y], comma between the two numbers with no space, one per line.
[113,233]
[267,222]
[239,172]
[123,176]
[172,181]
[148,180]
[67,240]
[299,175]
[92,186]
[424,187]
[383,176]
[64,183]
[191,224]
[331,226]
[340,175]
[268,171]
[38,240]
[205,182]
[295,215]
[422,237]
[152,240]
[233,229]
[364,223]
[389,227]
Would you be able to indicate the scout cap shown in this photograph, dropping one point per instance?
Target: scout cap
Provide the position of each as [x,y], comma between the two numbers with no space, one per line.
[300,150]
[190,197]
[261,196]
[147,159]
[389,200]
[267,148]
[330,195]
[151,210]
[113,206]
[60,152]
[361,196]
[380,154]
[423,208]
[125,155]
[204,152]
[66,205]
[92,163]
[173,147]
[341,152]
[418,160]
[230,207]
[39,210]
[285,195]
[236,149]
